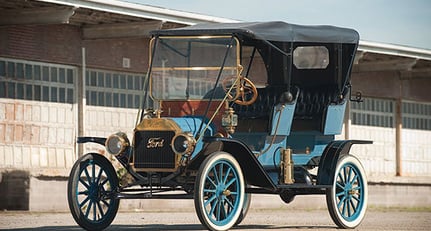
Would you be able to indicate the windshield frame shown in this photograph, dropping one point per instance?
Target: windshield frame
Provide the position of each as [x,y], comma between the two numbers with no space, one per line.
[237,68]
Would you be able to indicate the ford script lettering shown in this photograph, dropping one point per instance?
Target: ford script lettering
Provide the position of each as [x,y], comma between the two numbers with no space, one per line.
[155,142]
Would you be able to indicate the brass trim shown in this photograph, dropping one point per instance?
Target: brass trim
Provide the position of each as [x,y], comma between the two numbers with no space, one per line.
[238,59]
[191,140]
[122,137]
[286,165]
[157,124]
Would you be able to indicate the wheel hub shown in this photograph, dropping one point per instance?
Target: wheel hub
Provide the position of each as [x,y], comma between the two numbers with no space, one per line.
[222,191]
[94,192]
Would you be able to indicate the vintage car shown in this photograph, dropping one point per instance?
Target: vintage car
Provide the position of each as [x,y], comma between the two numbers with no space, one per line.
[230,110]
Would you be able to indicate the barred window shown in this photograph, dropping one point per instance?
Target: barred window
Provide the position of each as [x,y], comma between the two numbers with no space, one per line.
[374,112]
[416,115]
[36,81]
[113,89]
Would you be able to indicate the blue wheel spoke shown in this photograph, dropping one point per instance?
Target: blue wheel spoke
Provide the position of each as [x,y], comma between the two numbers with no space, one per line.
[84,201]
[221,174]
[223,209]
[339,185]
[104,182]
[88,208]
[104,202]
[354,179]
[353,206]
[211,181]
[349,212]
[210,200]
[83,192]
[230,182]
[339,194]
[84,183]
[99,206]
[349,175]
[227,175]
[213,207]
[356,198]
[229,203]
[93,172]
[218,210]
[209,190]
[341,202]
[87,175]
[341,178]
[99,175]
[94,211]
[217,181]
[344,207]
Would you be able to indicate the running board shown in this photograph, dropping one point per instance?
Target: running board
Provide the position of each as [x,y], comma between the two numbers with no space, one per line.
[149,195]
[297,189]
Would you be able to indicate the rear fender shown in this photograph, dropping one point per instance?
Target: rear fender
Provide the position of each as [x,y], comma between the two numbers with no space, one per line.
[330,156]
[253,172]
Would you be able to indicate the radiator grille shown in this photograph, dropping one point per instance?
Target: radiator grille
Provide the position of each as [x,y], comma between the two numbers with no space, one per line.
[153,150]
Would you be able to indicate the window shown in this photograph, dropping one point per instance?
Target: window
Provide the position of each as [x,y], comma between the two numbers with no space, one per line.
[36,81]
[113,89]
[374,112]
[311,57]
[416,115]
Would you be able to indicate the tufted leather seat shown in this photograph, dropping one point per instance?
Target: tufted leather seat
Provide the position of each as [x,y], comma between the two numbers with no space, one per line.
[313,102]
[267,98]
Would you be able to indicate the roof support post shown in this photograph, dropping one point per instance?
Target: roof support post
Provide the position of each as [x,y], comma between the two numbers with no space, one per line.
[398,132]
[81,101]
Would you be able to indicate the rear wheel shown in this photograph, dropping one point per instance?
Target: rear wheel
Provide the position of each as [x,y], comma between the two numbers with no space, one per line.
[219,192]
[91,187]
[347,199]
[245,207]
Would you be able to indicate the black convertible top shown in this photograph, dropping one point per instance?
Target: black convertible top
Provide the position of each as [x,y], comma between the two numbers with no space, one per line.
[269,31]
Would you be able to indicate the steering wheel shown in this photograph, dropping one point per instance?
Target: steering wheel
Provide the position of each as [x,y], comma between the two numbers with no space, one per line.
[245,91]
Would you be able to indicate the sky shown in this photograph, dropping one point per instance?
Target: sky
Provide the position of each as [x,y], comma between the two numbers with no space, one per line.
[400,22]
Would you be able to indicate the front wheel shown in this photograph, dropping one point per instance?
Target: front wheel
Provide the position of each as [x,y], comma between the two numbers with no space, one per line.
[347,199]
[90,192]
[219,192]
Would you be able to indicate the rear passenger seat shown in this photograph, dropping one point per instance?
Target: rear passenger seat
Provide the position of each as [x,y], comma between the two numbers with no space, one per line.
[267,98]
[313,102]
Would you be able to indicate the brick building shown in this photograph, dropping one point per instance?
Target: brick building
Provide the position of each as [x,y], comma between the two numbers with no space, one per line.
[70,68]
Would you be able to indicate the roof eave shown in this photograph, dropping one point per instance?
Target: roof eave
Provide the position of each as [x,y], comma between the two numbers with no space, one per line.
[141,11]
[396,50]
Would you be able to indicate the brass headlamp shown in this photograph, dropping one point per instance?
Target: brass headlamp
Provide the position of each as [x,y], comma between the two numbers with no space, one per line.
[117,143]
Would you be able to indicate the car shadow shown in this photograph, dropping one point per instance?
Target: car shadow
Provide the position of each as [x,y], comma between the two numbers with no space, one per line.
[160,227]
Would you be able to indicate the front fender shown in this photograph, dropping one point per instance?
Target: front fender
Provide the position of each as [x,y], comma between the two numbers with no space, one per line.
[253,171]
[87,139]
[330,156]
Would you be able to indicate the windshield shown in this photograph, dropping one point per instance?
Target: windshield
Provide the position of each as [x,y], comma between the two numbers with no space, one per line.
[188,67]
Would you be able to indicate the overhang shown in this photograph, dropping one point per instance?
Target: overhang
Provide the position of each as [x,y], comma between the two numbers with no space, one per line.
[113,19]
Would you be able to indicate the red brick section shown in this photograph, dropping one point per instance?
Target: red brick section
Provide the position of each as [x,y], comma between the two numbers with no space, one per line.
[63,44]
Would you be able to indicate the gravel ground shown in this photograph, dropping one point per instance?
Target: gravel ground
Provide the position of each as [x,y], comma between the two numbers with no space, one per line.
[287,219]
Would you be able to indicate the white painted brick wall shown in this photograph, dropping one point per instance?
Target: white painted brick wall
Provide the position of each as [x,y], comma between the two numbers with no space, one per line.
[103,121]
[379,157]
[42,135]
[416,152]
[36,134]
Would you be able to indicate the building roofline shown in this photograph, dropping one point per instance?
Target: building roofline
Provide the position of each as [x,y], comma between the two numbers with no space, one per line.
[142,11]
[396,50]
[188,18]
